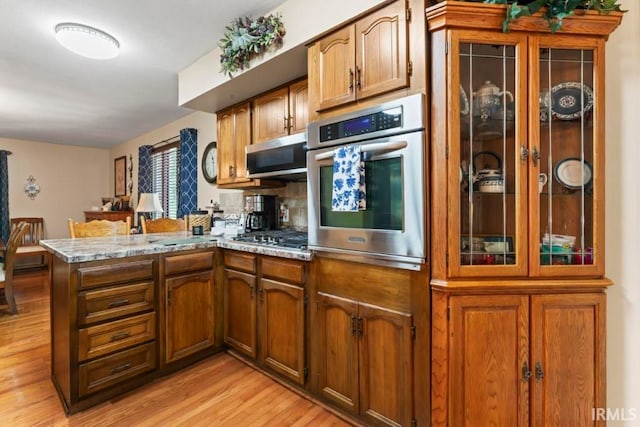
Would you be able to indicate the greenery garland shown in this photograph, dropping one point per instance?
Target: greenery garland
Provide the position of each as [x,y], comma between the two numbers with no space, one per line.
[556,9]
[246,38]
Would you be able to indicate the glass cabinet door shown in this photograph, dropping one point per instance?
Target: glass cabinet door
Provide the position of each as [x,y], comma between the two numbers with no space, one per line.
[565,158]
[486,164]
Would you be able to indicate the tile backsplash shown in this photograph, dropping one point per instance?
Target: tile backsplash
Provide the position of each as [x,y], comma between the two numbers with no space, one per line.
[294,196]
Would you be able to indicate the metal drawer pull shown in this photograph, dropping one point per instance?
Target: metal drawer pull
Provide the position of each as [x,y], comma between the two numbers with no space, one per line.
[526,373]
[121,368]
[118,303]
[120,336]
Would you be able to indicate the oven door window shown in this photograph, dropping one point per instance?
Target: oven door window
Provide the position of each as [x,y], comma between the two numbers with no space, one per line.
[384,198]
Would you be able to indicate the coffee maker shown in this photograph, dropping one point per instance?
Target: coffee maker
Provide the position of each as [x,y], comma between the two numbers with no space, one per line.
[262,212]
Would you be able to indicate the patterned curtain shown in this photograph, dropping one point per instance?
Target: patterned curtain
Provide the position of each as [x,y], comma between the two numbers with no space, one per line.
[5,227]
[145,170]
[188,174]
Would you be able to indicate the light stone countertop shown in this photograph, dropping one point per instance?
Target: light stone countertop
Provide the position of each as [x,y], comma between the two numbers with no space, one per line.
[100,248]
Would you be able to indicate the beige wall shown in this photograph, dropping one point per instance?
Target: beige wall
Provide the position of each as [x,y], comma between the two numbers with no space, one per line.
[71,180]
[623,214]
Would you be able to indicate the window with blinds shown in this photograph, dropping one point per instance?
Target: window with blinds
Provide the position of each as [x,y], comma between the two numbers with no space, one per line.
[164,164]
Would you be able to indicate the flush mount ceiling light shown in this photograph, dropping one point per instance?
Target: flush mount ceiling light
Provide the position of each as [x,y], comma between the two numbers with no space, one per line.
[87,41]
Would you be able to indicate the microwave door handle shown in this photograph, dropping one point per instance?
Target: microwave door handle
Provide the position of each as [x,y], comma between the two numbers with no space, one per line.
[375,148]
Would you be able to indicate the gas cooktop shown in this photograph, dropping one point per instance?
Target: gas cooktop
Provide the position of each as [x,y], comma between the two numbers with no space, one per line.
[279,238]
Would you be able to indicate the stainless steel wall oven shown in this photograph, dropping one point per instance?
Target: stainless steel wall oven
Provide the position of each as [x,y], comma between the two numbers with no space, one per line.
[391,141]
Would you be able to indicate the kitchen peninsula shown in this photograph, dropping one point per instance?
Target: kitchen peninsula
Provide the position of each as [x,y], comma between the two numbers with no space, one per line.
[128,309]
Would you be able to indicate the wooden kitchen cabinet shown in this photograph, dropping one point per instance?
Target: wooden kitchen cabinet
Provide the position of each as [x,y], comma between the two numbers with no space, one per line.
[366,360]
[364,59]
[189,304]
[517,217]
[234,134]
[518,359]
[240,328]
[280,112]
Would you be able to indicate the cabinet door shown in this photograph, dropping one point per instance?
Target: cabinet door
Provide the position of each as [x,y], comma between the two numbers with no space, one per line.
[240,311]
[282,328]
[386,365]
[566,183]
[271,116]
[242,130]
[226,146]
[381,51]
[189,314]
[568,356]
[298,107]
[335,63]
[338,351]
[487,166]
[488,344]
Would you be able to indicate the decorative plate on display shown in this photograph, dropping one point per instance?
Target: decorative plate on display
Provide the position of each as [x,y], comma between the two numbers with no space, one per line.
[464,102]
[570,173]
[567,100]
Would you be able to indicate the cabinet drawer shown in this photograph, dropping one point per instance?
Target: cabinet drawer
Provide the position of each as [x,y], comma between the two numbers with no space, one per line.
[190,262]
[283,269]
[105,304]
[91,277]
[110,370]
[103,339]
[240,261]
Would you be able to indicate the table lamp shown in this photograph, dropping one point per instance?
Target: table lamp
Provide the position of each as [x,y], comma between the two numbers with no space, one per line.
[149,202]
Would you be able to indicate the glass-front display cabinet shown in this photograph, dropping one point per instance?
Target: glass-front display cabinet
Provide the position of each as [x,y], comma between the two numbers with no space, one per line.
[518,150]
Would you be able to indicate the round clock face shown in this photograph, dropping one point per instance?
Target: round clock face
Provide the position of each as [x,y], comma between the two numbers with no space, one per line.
[210,163]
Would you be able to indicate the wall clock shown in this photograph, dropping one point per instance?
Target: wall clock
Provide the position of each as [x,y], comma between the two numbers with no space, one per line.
[210,162]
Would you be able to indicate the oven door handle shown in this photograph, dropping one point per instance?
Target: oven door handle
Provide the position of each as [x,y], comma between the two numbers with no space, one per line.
[375,148]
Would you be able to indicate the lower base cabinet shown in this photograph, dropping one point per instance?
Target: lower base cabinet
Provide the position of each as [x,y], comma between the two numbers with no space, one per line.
[518,359]
[366,359]
[264,306]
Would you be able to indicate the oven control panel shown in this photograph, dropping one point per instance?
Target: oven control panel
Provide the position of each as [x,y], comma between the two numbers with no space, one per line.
[361,125]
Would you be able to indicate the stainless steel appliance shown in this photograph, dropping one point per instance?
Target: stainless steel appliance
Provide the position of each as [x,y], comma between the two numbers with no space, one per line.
[283,158]
[262,212]
[391,230]
[280,238]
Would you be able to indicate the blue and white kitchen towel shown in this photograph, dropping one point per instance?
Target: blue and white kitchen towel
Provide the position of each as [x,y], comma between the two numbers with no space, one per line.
[349,190]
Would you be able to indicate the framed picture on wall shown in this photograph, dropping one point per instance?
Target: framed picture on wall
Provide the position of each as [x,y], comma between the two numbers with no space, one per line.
[120,176]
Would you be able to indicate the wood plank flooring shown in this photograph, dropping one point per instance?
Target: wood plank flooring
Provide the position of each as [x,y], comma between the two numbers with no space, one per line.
[219,391]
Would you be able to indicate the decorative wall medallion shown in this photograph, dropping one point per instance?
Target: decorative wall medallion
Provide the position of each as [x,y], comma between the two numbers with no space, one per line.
[31,188]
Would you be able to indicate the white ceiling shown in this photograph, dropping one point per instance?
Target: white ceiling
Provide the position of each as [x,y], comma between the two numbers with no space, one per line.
[50,94]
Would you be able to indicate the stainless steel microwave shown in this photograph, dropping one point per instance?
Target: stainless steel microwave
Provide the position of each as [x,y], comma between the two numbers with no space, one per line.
[283,158]
[391,230]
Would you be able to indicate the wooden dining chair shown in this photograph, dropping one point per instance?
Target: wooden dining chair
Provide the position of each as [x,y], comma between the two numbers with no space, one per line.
[99,228]
[163,225]
[29,253]
[6,269]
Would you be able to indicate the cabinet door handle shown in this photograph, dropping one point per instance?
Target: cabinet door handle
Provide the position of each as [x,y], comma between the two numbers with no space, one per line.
[526,373]
[291,122]
[358,77]
[286,123]
[260,290]
[121,368]
[118,303]
[535,156]
[539,371]
[360,326]
[524,154]
[350,80]
[120,336]
[353,325]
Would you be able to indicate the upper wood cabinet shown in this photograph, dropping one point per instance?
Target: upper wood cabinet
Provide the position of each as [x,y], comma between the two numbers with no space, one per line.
[281,112]
[234,134]
[366,58]
[518,143]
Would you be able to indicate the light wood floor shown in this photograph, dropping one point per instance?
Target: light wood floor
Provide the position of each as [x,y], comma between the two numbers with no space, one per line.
[220,391]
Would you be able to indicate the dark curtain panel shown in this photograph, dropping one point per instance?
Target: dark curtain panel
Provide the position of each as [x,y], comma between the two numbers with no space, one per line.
[188,174]
[5,227]
[145,170]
